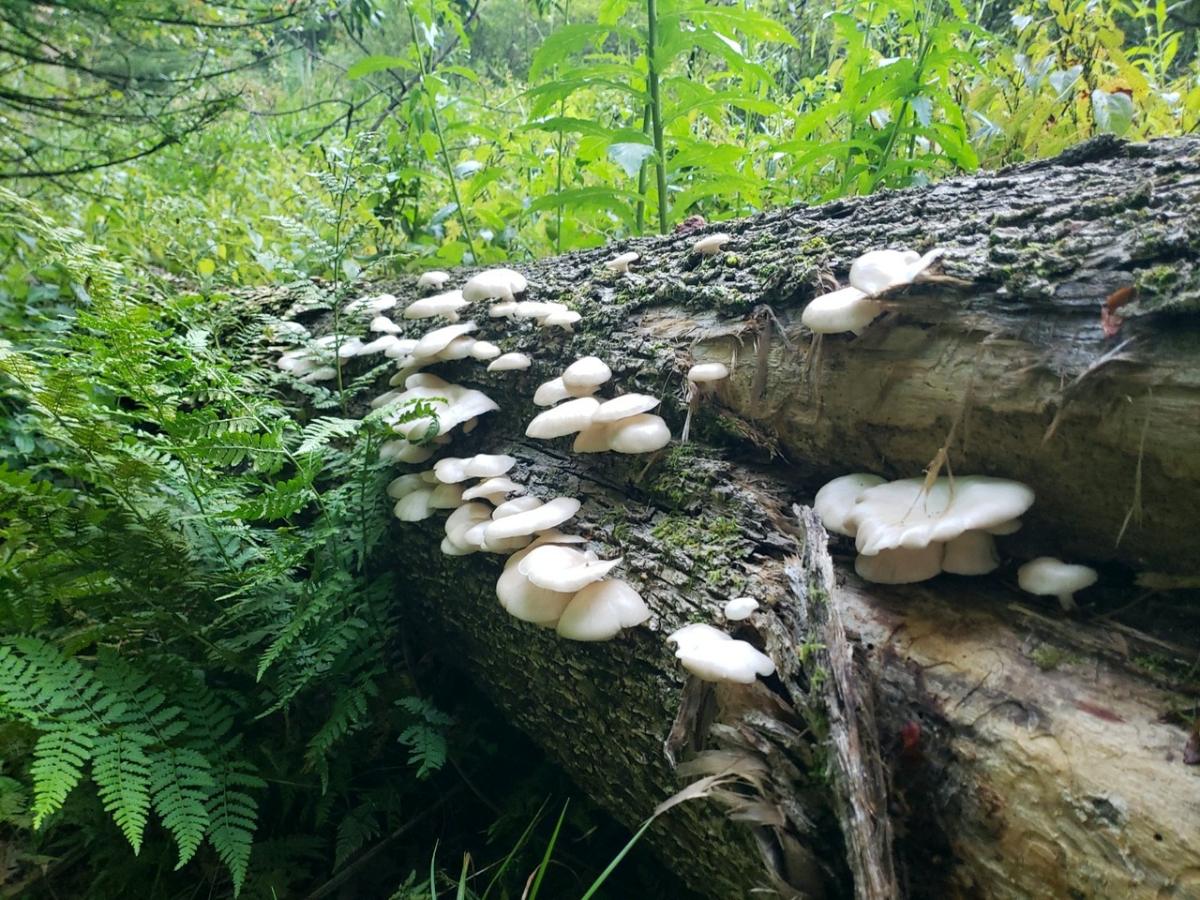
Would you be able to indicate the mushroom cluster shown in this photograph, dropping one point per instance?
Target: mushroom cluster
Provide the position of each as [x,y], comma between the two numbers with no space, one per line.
[550,578]
[623,424]
[906,531]
[874,273]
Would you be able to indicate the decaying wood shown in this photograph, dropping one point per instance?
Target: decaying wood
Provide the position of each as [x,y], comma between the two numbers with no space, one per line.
[964,740]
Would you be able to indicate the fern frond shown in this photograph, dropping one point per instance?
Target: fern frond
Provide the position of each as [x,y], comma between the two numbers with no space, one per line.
[319,432]
[121,771]
[233,815]
[182,785]
[58,760]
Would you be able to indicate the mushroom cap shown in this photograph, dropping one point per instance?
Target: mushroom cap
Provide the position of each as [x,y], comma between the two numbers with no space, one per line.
[623,407]
[371,305]
[462,520]
[566,418]
[901,565]
[740,608]
[586,374]
[537,309]
[494,284]
[405,484]
[643,433]
[836,500]
[324,373]
[550,393]
[437,340]
[711,655]
[447,304]
[1048,576]
[414,506]
[601,609]
[404,451]
[1012,526]
[711,244]
[555,512]
[616,592]
[505,309]
[562,319]
[971,553]
[509,361]
[380,345]
[877,271]
[447,496]
[848,309]
[485,350]
[516,505]
[384,325]
[433,278]
[705,372]
[621,263]
[453,469]
[524,599]
[459,348]
[563,568]
[901,514]
[494,489]
[401,348]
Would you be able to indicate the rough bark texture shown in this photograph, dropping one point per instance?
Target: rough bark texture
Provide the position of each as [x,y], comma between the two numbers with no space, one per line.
[1014,753]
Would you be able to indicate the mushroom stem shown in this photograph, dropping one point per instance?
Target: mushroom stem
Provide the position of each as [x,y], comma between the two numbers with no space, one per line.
[693,400]
[1067,601]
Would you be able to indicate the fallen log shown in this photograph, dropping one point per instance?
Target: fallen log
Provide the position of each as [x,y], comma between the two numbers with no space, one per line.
[954,738]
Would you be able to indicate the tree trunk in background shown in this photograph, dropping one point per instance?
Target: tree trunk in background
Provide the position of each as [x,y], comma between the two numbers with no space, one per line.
[952,738]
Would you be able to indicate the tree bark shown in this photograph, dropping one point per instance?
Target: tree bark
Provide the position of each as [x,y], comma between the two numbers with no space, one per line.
[953,738]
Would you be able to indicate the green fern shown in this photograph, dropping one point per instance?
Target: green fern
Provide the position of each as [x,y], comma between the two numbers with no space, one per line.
[425,738]
[233,815]
[121,771]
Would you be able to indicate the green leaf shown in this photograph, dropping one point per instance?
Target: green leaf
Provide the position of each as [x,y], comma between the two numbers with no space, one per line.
[1113,112]
[570,39]
[370,64]
[588,198]
[630,156]
[206,267]
[750,23]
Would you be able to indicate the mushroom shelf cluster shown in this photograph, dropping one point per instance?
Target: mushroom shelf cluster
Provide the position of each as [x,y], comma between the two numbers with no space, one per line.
[908,531]
[874,273]
[550,579]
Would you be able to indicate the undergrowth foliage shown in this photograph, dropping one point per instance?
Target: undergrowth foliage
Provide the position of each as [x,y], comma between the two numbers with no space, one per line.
[188,592]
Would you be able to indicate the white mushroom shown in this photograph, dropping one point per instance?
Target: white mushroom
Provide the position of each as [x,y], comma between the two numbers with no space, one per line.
[464,519]
[404,451]
[485,350]
[704,373]
[563,568]
[537,309]
[623,407]
[584,376]
[712,655]
[621,263]
[848,309]
[506,309]
[550,393]
[881,270]
[507,362]
[548,515]
[405,484]
[712,244]
[901,565]
[447,496]
[383,325]
[564,319]
[452,469]
[434,279]
[836,499]
[564,419]
[643,433]
[1050,577]
[524,599]
[971,553]
[323,373]
[437,340]
[494,284]
[380,345]
[594,439]
[493,489]
[740,608]
[902,514]
[601,609]
[516,505]
[414,506]
[371,305]
[447,304]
